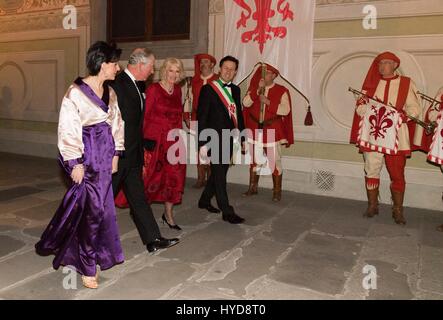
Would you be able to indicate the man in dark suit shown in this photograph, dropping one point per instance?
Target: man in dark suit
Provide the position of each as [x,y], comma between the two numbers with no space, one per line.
[129,175]
[219,109]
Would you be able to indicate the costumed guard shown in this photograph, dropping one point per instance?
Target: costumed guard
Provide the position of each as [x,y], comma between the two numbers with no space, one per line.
[433,143]
[268,114]
[380,129]
[204,73]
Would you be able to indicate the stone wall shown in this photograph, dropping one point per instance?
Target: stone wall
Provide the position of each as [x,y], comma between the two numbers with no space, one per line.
[39,58]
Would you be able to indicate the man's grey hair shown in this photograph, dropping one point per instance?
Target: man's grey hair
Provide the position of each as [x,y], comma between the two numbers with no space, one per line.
[140,55]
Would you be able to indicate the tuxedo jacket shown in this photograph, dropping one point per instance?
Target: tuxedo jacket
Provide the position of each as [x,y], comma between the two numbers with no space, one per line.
[212,114]
[129,102]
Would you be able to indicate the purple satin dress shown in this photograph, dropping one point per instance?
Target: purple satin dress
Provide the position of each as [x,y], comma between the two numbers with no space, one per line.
[83,232]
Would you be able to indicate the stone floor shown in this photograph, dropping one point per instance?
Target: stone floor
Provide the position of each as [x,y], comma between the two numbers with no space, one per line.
[305,247]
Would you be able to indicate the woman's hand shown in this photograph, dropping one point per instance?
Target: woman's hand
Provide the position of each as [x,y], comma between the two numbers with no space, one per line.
[115,164]
[78,173]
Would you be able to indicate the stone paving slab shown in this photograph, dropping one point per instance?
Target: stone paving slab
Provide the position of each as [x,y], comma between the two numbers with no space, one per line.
[22,266]
[9,245]
[41,212]
[204,245]
[319,263]
[239,268]
[11,206]
[139,284]
[268,289]
[391,285]
[18,192]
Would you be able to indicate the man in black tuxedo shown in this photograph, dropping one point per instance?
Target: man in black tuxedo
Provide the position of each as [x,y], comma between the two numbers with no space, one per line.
[219,109]
[129,175]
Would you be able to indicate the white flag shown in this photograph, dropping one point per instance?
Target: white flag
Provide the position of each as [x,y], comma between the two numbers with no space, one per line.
[379,128]
[436,150]
[278,32]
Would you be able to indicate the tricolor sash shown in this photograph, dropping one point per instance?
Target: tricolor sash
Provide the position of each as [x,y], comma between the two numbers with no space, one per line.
[226,97]
[436,150]
[379,127]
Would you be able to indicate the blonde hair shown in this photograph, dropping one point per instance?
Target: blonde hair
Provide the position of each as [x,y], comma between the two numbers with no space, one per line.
[172,61]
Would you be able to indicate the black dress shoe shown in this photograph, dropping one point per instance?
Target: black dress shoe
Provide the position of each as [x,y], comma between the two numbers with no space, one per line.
[172,226]
[233,218]
[161,243]
[209,207]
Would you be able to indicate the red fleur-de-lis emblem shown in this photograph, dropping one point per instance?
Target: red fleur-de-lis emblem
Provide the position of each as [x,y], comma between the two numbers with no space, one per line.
[380,122]
[263,30]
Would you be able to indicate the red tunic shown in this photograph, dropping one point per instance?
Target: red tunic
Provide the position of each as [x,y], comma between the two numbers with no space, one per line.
[164,182]
[281,124]
[197,84]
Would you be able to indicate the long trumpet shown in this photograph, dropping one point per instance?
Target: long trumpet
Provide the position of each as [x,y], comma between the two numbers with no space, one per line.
[429,127]
[434,103]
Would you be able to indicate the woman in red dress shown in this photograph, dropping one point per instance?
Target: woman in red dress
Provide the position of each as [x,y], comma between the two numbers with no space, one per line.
[164,180]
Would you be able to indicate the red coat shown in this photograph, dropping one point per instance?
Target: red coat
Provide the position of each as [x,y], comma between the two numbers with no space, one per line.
[281,124]
[197,84]
[164,182]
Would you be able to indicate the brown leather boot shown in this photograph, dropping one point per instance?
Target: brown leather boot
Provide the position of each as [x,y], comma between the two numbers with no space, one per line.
[200,177]
[397,208]
[253,183]
[277,181]
[372,209]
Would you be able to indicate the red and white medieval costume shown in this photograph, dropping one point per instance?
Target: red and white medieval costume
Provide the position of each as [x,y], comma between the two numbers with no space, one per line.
[276,124]
[190,110]
[400,92]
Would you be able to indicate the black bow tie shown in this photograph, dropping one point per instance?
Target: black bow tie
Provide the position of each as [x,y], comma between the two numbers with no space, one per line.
[227,85]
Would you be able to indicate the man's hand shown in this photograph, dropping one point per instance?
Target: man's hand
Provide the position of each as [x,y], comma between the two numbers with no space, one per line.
[115,164]
[261,84]
[264,100]
[362,100]
[404,117]
[203,155]
[78,173]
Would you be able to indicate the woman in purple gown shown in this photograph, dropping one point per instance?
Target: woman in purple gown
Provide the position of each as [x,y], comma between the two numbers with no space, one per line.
[83,233]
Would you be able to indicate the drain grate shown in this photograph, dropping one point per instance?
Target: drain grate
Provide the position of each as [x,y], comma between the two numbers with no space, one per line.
[325,180]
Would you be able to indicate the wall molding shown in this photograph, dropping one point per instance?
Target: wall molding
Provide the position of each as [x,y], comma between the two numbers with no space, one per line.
[352,10]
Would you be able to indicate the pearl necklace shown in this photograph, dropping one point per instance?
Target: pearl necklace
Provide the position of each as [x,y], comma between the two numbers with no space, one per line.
[169,91]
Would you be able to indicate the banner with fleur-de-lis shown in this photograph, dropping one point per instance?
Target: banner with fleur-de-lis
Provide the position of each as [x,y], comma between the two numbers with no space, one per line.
[379,128]
[436,150]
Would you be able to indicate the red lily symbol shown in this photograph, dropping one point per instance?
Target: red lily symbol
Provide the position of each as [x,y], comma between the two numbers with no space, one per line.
[380,122]
[264,12]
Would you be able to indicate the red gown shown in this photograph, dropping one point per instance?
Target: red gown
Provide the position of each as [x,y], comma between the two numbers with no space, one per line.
[163,182]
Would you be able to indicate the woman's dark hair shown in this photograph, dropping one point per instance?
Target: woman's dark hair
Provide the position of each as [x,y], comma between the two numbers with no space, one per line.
[101,52]
[229,58]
